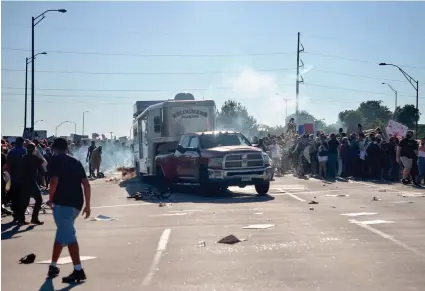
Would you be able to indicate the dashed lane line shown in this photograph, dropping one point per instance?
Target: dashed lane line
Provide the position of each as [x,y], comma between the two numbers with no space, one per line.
[162,245]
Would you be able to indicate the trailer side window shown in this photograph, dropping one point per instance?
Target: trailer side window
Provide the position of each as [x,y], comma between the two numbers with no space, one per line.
[157,124]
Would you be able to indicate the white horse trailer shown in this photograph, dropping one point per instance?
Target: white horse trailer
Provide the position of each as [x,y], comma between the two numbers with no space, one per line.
[159,127]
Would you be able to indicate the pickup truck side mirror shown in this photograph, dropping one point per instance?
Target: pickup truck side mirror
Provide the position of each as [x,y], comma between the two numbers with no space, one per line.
[180,148]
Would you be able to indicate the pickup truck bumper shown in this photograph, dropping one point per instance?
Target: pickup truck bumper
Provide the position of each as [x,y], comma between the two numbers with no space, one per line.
[241,177]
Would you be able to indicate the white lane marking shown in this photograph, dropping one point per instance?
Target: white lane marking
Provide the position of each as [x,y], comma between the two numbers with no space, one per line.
[172,214]
[388,237]
[369,222]
[359,214]
[388,188]
[120,205]
[295,197]
[185,211]
[162,244]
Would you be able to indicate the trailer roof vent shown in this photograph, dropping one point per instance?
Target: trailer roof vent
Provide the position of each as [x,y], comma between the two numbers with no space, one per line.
[184,96]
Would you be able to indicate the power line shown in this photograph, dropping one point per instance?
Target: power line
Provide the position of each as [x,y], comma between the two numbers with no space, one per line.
[204,73]
[132,103]
[146,73]
[358,60]
[173,90]
[154,55]
[208,55]
[355,90]
[132,90]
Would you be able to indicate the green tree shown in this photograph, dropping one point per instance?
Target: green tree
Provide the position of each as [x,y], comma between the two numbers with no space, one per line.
[407,115]
[235,116]
[351,118]
[374,114]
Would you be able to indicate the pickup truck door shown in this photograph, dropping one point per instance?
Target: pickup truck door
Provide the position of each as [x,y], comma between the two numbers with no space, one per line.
[182,159]
[193,157]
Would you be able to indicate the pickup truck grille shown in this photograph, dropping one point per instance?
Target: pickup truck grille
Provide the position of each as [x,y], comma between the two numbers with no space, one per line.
[248,160]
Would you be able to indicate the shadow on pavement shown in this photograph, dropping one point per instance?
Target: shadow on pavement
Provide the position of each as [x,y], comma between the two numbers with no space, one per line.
[48,286]
[10,233]
[189,194]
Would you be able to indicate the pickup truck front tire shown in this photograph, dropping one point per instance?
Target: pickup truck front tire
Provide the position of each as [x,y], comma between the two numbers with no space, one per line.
[262,189]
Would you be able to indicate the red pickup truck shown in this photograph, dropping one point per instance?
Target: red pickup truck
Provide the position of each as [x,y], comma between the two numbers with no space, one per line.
[216,160]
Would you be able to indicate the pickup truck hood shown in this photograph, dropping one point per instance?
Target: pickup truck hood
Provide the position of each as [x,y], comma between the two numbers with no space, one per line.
[225,149]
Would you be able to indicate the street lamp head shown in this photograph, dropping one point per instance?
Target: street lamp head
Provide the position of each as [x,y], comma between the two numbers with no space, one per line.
[62,10]
[384,83]
[43,53]
[383,64]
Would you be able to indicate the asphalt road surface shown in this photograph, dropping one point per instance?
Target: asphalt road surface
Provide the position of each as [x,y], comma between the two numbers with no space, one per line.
[360,236]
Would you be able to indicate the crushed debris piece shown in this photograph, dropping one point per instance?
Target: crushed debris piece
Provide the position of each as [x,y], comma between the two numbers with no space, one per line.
[376,198]
[202,244]
[311,208]
[313,202]
[382,190]
[230,239]
[102,218]
[258,226]
[333,206]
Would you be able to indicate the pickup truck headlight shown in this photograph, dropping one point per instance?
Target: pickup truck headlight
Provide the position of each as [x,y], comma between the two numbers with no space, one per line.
[266,159]
[215,163]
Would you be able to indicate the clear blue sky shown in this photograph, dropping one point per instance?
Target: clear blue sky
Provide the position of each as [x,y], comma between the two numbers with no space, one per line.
[367,32]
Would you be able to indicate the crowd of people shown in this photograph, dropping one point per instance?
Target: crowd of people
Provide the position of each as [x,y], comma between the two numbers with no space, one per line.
[18,173]
[366,155]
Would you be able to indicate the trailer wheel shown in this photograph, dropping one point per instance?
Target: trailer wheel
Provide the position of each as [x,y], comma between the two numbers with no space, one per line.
[262,189]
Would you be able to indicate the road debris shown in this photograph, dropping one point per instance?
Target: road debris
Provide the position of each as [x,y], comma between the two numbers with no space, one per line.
[161,204]
[258,226]
[230,239]
[333,206]
[382,190]
[28,259]
[376,198]
[102,218]
[311,208]
[202,244]
[313,202]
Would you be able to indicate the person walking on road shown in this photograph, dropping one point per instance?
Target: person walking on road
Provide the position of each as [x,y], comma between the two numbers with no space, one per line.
[32,163]
[67,197]
[96,159]
[407,151]
[90,150]
[15,167]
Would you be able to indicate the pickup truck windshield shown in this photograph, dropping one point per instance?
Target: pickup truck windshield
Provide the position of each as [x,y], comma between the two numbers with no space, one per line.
[215,140]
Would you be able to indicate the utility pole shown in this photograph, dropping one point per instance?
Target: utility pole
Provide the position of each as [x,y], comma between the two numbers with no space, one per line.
[300,64]
[111,134]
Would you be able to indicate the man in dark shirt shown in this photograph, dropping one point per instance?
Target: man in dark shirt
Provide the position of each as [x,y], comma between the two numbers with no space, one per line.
[15,167]
[89,152]
[333,145]
[407,152]
[30,188]
[66,177]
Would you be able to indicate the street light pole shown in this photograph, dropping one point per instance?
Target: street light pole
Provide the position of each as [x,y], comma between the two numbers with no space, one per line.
[84,112]
[33,19]
[27,61]
[395,92]
[415,85]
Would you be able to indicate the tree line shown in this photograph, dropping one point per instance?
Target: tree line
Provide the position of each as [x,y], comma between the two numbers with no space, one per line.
[370,114]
